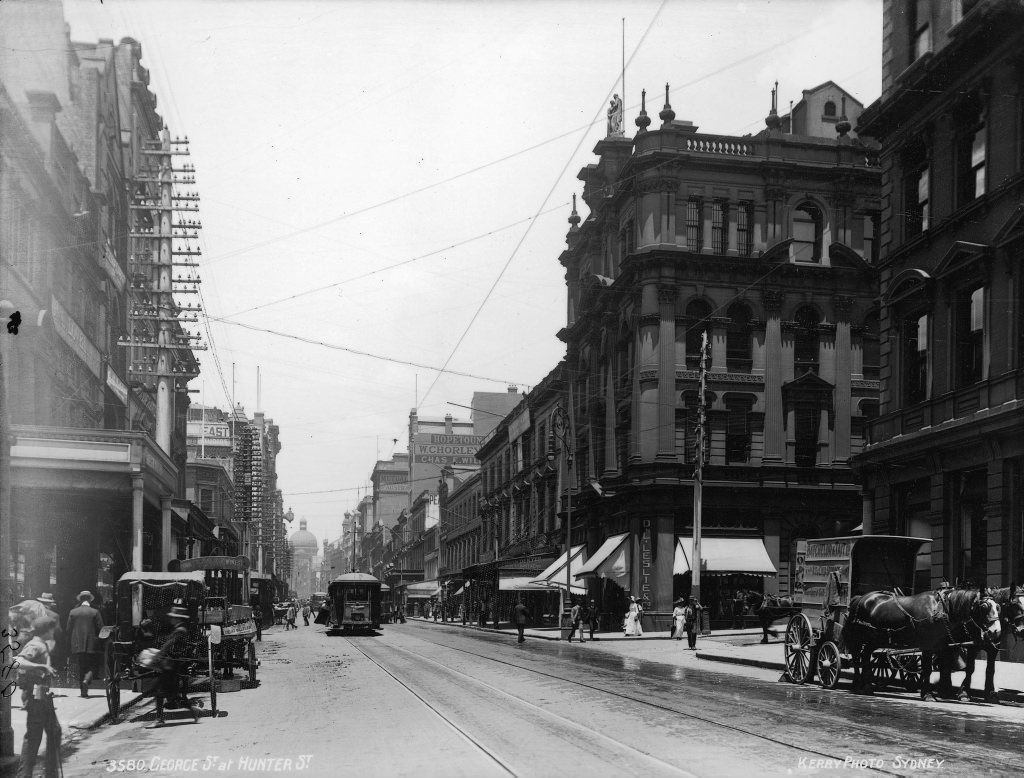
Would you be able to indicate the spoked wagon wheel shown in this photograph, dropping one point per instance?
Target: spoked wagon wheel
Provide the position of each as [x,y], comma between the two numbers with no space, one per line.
[798,649]
[829,664]
[252,664]
[882,672]
[113,689]
[910,670]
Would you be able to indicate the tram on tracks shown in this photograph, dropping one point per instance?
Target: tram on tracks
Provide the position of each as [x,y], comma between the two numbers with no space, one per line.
[354,601]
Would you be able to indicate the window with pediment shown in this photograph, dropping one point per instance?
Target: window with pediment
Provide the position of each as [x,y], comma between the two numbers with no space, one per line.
[808,233]
[969,334]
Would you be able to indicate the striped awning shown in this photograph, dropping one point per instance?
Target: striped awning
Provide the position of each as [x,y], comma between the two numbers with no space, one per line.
[724,556]
[554,576]
[611,560]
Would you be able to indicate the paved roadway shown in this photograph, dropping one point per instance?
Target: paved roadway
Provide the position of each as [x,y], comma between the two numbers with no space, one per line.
[428,700]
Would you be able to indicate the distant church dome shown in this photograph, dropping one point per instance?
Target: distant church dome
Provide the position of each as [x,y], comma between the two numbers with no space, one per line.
[303,539]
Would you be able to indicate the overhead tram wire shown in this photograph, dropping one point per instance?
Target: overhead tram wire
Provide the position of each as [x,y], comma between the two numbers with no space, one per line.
[396,265]
[336,347]
[544,202]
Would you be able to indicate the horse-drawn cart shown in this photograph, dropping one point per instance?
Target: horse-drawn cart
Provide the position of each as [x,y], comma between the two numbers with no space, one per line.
[831,573]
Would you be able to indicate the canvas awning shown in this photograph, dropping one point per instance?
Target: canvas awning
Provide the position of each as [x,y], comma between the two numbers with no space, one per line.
[462,590]
[724,556]
[422,590]
[553,576]
[610,561]
[521,583]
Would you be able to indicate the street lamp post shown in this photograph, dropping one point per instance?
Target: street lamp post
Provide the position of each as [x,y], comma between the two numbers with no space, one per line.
[561,428]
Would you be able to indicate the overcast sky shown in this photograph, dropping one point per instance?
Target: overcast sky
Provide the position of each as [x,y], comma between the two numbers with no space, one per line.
[418,160]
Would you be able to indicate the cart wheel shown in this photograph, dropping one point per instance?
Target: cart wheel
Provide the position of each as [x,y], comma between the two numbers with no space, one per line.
[798,649]
[829,664]
[252,664]
[882,672]
[113,689]
[910,670]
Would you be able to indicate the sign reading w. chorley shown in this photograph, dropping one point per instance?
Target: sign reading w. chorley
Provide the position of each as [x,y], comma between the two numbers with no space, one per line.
[431,449]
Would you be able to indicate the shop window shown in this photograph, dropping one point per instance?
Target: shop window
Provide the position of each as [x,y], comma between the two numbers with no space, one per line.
[969,323]
[698,313]
[720,226]
[694,224]
[808,231]
[805,341]
[738,338]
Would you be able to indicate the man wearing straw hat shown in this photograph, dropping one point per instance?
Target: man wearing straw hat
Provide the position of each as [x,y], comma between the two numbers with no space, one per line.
[84,625]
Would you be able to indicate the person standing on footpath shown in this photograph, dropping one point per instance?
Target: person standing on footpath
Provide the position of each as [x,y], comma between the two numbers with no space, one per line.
[305,612]
[632,626]
[691,622]
[84,625]
[576,617]
[34,673]
[520,615]
[678,619]
[593,618]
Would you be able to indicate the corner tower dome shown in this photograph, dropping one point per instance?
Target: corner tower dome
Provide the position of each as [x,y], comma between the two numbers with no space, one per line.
[304,539]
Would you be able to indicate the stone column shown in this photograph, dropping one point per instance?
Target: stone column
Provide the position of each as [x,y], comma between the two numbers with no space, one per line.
[842,397]
[138,483]
[667,373]
[166,552]
[773,377]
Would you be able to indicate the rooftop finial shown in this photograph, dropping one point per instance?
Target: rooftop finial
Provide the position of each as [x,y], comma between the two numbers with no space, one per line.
[643,120]
[574,218]
[772,121]
[843,126]
[667,114]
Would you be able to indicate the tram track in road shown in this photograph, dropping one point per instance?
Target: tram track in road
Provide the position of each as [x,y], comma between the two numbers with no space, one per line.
[852,727]
[628,752]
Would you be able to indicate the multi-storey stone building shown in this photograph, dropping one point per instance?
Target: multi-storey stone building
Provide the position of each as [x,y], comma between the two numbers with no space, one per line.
[945,457]
[765,243]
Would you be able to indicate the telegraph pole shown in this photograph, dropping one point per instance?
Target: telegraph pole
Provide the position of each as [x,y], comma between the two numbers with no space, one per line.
[698,473]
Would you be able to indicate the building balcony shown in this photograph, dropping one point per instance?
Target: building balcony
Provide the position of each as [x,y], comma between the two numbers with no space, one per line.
[974,404]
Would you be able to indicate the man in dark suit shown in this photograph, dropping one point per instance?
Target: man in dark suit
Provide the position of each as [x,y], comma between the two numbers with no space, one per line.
[84,625]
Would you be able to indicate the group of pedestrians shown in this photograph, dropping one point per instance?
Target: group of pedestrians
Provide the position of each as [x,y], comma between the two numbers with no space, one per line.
[292,612]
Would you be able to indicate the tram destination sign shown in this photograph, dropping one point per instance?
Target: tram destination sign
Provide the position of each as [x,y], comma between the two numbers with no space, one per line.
[435,449]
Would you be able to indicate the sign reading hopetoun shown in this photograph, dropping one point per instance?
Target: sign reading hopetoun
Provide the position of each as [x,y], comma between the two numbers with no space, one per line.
[441,450]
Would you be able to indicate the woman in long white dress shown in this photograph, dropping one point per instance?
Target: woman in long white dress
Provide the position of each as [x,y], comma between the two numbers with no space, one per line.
[632,626]
[678,616]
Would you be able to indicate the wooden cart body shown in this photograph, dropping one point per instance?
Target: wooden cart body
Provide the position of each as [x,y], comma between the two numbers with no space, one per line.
[830,573]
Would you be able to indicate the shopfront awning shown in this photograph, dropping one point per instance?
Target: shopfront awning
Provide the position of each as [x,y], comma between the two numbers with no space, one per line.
[724,556]
[461,590]
[554,576]
[422,590]
[610,561]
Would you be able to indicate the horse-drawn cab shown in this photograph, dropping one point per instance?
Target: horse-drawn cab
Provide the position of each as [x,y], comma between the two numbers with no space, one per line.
[832,572]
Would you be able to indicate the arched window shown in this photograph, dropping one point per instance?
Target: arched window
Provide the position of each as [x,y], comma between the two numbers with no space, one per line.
[737,342]
[805,351]
[698,313]
[830,108]
[808,229]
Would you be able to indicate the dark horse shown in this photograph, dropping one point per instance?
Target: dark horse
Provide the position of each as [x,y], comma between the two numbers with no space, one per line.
[769,608]
[930,622]
[1010,600]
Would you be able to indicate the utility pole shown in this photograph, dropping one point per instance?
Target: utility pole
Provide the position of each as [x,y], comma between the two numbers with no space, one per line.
[6,536]
[698,473]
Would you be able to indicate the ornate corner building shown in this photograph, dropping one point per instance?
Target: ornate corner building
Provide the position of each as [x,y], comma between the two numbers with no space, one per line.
[768,244]
[944,458]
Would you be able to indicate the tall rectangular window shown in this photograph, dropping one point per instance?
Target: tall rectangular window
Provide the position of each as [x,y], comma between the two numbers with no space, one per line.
[915,359]
[744,230]
[970,335]
[737,435]
[694,224]
[971,153]
[719,226]
[920,30]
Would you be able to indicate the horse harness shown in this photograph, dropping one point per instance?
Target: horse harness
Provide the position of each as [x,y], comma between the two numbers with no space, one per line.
[942,617]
